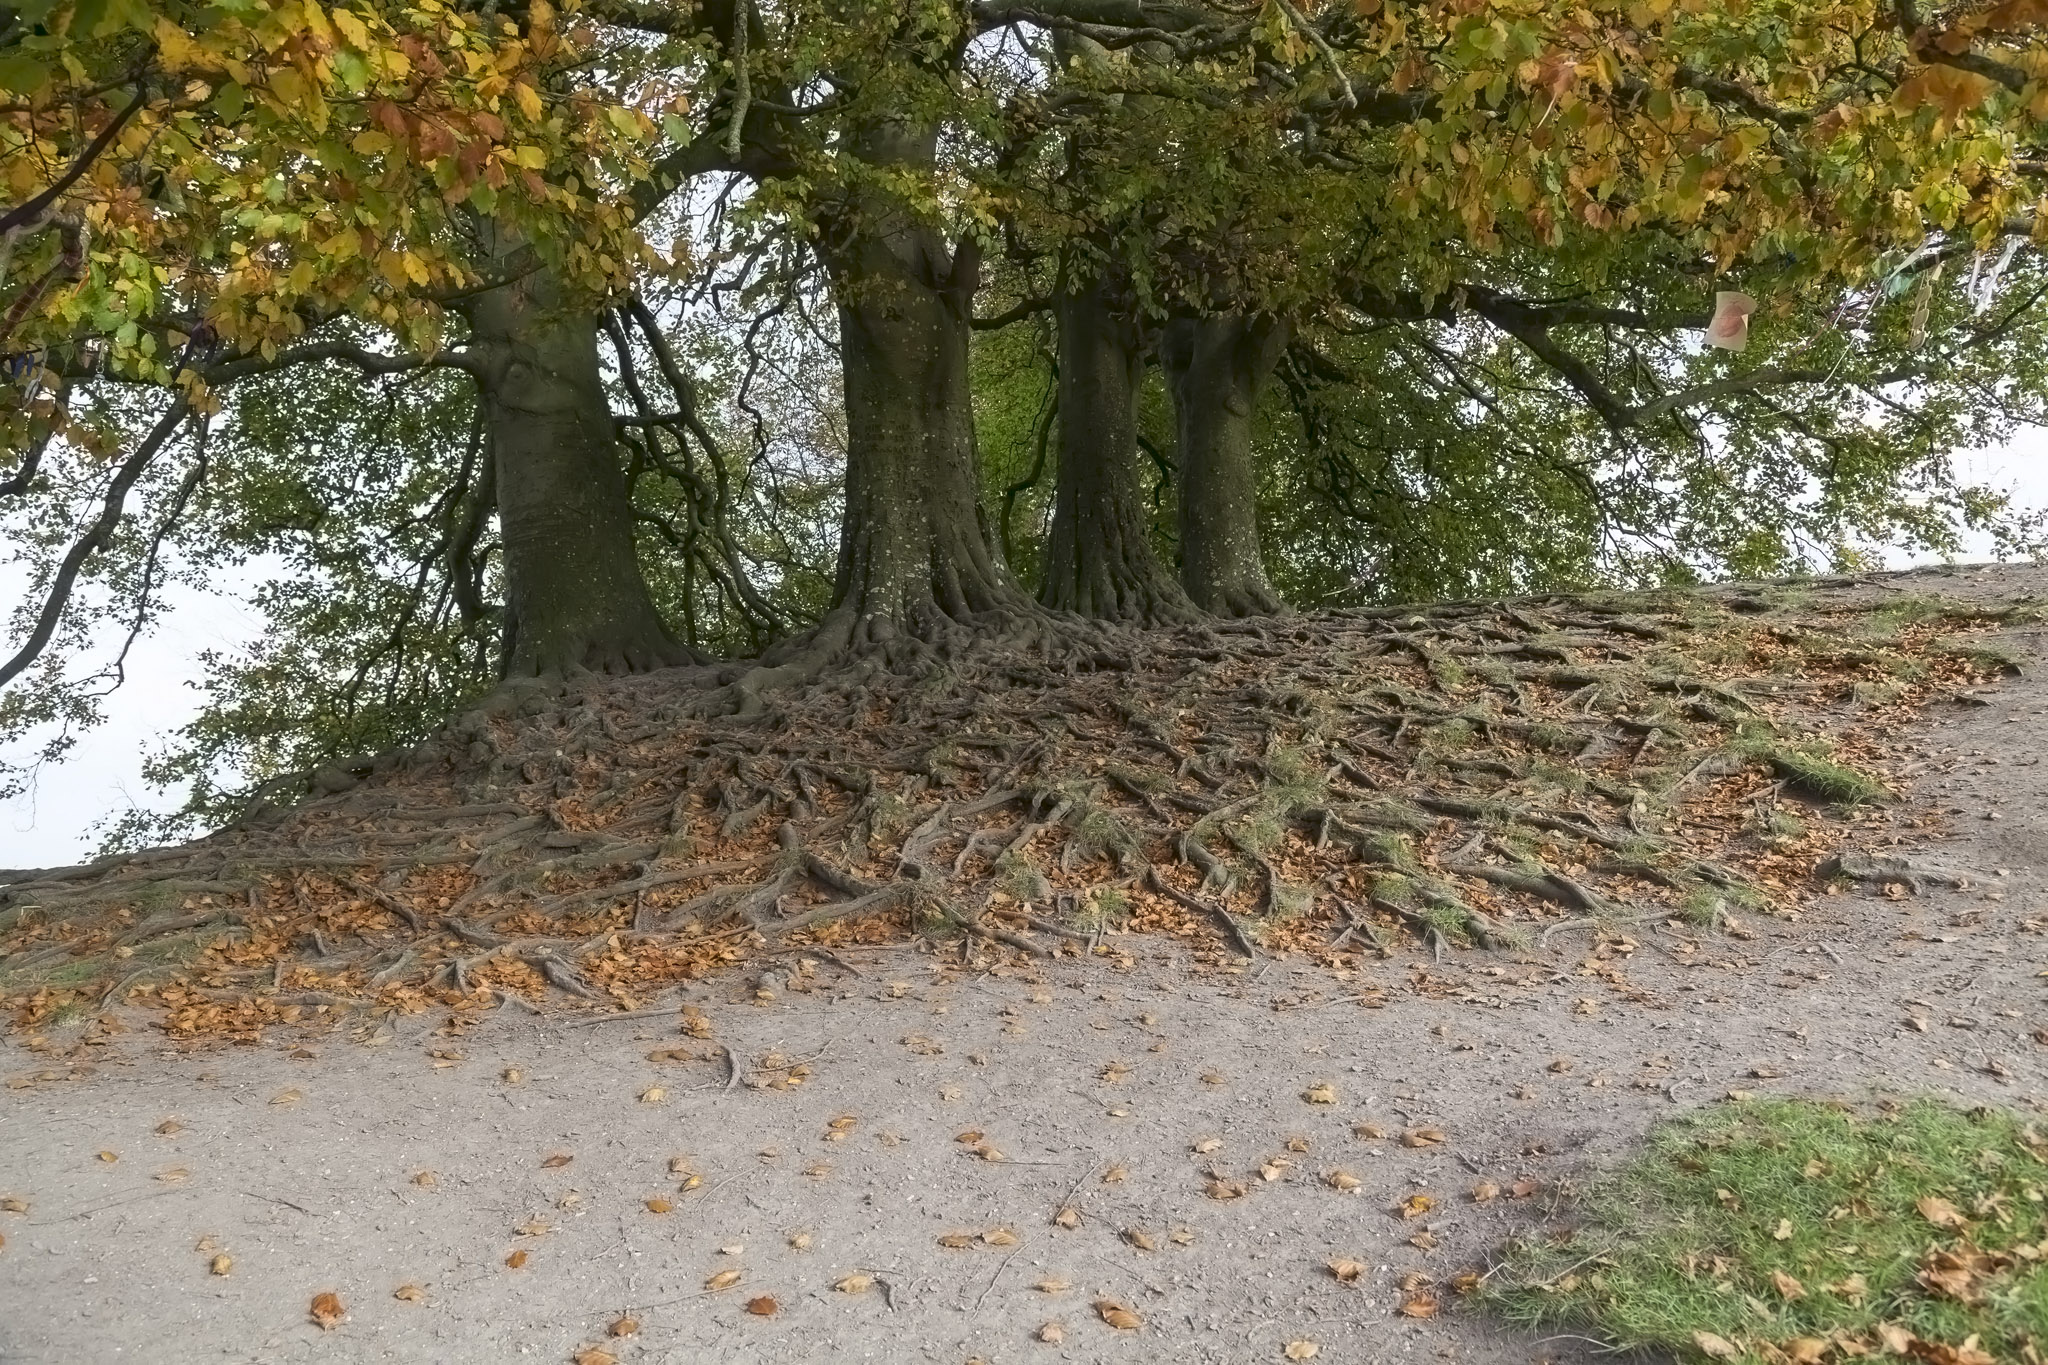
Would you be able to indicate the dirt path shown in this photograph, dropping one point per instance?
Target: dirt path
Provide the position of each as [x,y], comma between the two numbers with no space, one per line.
[1095,1083]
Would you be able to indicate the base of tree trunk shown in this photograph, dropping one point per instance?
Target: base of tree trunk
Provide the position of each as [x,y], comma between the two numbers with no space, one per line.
[1028,789]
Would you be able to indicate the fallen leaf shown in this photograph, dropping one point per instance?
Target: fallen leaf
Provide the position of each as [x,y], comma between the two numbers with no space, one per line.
[411,1293]
[426,1180]
[999,1237]
[1806,1350]
[653,1094]
[854,1284]
[1322,1092]
[557,1161]
[1302,1350]
[1940,1212]
[1118,1316]
[1052,1334]
[1415,1205]
[956,1241]
[1218,1188]
[169,1127]
[1140,1239]
[762,1307]
[1208,1144]
[1368,1130]
[1116,1175]
[13,1203]
[1788,1286]
[222,1264]
[724,1279]
[512,1075]
[327,1310]
[800,1241]
[1068,1217]
[1053,1286]
[1343,1181]
[1346,1270]
[659,1205]
[173,1175]
[1485,1192]
[516,1260]
[1783,1232]
[1419,1306]
[1716,1347]
[285,1098]
[1422,1137]
[595,1355]
[109,1157]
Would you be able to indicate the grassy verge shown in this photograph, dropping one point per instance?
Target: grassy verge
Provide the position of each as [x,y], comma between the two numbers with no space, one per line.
[1795,1231]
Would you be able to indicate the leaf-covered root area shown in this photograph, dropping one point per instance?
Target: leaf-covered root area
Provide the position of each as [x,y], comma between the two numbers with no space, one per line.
[1797,1231]
[1467,776]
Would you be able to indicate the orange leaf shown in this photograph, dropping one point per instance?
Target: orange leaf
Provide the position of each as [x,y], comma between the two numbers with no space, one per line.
[327,1310]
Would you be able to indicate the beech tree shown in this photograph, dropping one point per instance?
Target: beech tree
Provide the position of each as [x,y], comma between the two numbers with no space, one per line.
[1229,193]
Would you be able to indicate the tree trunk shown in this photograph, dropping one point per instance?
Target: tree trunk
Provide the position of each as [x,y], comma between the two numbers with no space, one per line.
[1099,560]
[913,555]
[1216,368]
[575,597]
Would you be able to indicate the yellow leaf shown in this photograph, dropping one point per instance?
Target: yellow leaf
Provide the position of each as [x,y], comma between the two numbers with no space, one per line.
[353,29]
[1347,1270]
[529,101]
[1302,1350]
[854,1284]
[1118,1316]
[724,1279]
[1716,1347]
[411,1293]
[1322,1092]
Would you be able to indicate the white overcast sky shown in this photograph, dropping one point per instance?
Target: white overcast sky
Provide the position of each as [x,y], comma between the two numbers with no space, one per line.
[52,823]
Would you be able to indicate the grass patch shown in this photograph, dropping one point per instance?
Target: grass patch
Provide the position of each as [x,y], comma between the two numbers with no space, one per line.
[1810,771]
[1793,1230]
[1983,656]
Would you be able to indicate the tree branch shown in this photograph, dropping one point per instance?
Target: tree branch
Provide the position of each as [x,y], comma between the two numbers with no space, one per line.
[27,214]
[94,540]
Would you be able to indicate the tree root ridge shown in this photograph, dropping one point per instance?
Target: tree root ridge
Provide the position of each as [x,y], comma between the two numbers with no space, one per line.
[1478,774]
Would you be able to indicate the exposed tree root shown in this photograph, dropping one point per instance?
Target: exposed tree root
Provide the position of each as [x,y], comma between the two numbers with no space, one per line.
[1462,773]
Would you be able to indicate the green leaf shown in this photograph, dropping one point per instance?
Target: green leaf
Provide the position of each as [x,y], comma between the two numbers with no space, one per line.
[22,74]
[230,100]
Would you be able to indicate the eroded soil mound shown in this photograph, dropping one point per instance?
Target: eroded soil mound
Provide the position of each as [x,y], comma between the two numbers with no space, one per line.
[1430,779]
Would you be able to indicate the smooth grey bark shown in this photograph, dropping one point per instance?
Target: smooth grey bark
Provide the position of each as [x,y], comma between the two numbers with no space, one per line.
[575,596]
[913,554]
[1099,560]
[1216,368]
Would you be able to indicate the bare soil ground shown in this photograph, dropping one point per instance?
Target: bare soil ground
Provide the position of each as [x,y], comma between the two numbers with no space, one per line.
[827,1120]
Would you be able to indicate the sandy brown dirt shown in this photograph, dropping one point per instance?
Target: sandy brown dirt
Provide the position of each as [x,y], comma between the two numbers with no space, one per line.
[1095,1081]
